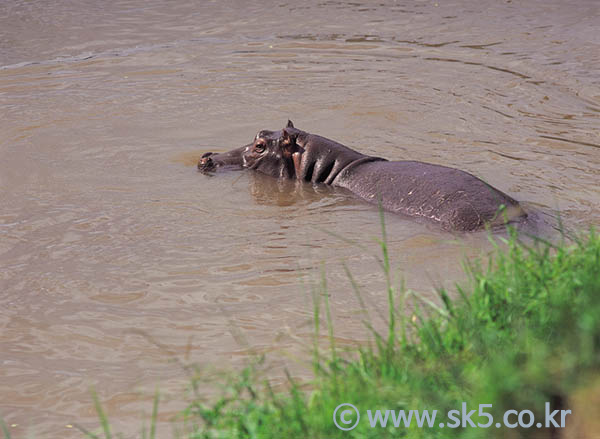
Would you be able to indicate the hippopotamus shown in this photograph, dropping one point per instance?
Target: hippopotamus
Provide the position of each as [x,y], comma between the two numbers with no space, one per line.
[449,197]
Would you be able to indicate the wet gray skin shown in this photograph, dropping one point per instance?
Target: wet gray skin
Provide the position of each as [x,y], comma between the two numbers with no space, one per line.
[454,199]
[210,162]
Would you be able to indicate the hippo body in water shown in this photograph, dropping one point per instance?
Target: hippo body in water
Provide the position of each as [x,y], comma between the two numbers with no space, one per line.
[454,199]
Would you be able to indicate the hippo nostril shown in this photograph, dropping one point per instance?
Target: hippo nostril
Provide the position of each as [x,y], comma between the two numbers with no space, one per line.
[206,154]
[206,163]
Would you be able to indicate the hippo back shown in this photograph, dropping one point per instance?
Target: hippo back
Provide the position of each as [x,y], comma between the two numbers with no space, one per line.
[453,198]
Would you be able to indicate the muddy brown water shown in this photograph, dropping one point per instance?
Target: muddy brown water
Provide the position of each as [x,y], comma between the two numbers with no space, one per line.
[117,257]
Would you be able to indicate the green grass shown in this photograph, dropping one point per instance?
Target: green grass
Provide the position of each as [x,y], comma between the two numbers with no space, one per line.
[523,330]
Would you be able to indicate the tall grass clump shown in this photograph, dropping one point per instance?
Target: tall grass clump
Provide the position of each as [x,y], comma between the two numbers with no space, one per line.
[524,330]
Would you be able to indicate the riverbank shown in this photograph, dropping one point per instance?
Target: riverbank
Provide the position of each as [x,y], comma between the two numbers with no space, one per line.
[524,331]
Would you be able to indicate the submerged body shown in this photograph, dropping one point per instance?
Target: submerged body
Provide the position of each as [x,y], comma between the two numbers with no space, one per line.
[454,199]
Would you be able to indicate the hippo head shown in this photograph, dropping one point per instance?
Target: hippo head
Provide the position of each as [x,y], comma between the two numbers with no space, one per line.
[272,152]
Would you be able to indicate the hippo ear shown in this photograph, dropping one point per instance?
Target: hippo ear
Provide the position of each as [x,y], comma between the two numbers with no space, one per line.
[289,124]
[288,137]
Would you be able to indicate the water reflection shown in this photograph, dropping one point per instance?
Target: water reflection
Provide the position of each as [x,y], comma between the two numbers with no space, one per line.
[267,190]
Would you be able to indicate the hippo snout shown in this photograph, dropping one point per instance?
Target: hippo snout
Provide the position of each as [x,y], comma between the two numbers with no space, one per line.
[233,159]
[206,163]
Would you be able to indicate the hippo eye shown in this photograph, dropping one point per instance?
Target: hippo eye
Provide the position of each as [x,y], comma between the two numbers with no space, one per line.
[259,147]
